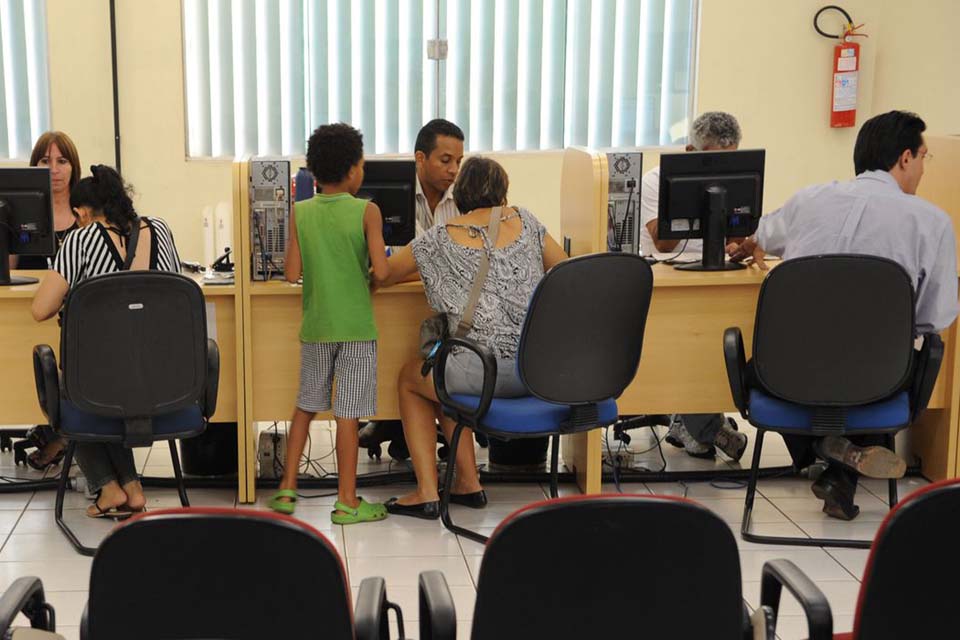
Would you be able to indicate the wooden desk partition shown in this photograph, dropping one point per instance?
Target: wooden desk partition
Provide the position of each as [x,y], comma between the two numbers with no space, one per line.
[681,367]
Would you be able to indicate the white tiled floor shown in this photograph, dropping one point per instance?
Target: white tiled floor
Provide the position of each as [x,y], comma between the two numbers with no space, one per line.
[398,548]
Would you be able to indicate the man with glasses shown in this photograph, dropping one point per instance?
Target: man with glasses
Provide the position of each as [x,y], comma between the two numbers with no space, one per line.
[879,214]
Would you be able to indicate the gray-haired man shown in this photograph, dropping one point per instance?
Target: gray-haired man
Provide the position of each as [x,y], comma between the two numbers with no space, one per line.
[696,433]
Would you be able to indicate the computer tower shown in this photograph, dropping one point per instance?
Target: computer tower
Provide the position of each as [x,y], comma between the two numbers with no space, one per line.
[623,200]
[269,216]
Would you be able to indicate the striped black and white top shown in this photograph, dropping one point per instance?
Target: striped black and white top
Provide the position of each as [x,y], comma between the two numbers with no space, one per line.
[89,251]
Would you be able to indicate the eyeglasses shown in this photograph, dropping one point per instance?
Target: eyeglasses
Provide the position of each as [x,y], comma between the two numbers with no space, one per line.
[927,156]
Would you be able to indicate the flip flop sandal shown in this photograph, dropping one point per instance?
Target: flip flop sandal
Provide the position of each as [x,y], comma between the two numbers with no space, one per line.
[133,512]
[286,507]
[33,460]
[365,512]
[113,513]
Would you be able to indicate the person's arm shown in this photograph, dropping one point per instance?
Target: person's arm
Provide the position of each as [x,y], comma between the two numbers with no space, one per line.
[649,205]
[402,267]
[292,261]
[373,229]
[14,260]
[663,246]
[553,253]
[49,297]
[937,293]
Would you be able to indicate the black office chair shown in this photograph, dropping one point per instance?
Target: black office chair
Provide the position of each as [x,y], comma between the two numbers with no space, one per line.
[833,354]
[137,367]
[600,567]
[579,349]
[902,594]
[26,596]
[182,574]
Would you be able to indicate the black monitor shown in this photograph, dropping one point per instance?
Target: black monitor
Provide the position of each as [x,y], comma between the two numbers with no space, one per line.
[26,218]
[391,185]
[712,195]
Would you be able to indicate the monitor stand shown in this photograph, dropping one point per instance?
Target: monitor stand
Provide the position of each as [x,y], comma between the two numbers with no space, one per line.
[714,225]
[5,278]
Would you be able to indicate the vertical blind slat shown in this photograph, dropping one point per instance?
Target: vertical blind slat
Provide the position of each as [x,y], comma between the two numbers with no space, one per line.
[35,26]
[505,68]
[198,77]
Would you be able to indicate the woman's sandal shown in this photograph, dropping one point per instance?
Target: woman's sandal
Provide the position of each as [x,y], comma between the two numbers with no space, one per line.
[33,460]
[113,513]
[365,512]
[287,506]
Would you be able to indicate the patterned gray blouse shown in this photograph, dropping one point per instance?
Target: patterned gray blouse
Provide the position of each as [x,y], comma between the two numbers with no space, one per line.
[448,270]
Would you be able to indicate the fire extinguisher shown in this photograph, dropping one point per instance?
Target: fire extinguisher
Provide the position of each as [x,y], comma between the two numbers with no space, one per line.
[846,69]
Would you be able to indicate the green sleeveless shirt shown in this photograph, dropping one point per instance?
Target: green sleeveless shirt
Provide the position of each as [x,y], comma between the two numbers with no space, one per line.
[336,263]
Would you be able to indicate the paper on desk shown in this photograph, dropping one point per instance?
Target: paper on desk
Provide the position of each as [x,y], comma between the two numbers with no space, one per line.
[211,321]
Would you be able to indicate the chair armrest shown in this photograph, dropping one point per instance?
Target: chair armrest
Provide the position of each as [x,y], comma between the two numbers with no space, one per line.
[783,573]
[47,378]
[471,415]
[438,616]
[25,596]
[736,362]
[925,373]
[213,380]
[370,614]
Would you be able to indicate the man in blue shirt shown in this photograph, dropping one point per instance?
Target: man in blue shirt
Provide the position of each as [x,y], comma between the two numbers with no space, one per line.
[877,214]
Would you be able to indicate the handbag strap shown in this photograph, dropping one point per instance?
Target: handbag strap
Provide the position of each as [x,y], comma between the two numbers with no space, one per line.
[132,239]
[493,232]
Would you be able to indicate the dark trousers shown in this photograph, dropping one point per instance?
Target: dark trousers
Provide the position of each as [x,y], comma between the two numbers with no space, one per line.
[803,455]
[704,427]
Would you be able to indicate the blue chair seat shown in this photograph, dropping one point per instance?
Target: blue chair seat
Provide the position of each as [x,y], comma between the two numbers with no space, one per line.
[770,412]
[528,415]
[81,425]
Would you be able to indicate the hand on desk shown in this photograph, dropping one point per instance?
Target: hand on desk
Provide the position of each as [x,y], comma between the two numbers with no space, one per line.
[748,252]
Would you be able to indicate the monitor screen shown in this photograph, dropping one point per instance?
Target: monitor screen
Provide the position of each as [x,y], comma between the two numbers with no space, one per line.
[390,184]
[26,216]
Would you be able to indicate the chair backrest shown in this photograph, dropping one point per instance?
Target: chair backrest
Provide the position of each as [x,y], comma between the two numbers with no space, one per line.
[907,591]
[584,328]
[612,566]
[217,574]
[134,344]
[834,330]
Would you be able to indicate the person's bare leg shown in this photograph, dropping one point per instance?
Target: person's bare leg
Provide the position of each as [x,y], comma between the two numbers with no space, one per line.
[296,441]
[111,496]
[466,478]
[348,442]
[418,414]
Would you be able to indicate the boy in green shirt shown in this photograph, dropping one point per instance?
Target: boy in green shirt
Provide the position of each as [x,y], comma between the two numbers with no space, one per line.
[335,239]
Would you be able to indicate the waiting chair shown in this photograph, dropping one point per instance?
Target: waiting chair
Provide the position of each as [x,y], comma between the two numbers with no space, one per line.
[579,349]
[833,354]
[137,367]
[26,596]
[602,567]
[901,595]
[226,573]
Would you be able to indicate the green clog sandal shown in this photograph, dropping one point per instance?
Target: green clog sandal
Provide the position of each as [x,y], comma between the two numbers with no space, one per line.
[366,512]
[286,507]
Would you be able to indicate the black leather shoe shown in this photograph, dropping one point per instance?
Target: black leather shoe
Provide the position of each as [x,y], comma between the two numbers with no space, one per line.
[837,492]
[475,500]
[424,510]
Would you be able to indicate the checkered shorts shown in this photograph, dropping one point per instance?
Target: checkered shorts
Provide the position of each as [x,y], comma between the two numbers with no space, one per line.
[352,364]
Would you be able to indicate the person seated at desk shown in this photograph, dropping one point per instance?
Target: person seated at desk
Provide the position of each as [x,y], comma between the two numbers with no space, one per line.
[105,213]
[447,258]
[876,214]
[699,434]
[55,150]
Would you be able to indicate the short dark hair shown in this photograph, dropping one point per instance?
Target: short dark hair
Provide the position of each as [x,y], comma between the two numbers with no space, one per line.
[883,139]
[333,149]
[427,137]
[481,183]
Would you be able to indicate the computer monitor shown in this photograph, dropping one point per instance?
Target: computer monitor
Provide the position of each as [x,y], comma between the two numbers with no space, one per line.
[26,218]
[391,185]
[712,195]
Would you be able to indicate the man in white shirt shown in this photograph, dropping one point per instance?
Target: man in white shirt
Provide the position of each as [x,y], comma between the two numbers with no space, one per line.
[875,214]
[698,434]
[438,151]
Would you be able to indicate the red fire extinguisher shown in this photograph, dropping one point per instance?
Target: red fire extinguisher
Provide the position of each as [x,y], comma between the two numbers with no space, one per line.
[846,69]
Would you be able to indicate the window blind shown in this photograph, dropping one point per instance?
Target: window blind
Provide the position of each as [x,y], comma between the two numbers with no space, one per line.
[519,74]
[24,76]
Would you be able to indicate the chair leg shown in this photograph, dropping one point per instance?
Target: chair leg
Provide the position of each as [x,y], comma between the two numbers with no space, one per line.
[448,487]
[58,508]
[181,488]
[782,540]
[892,483]
[554,466]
